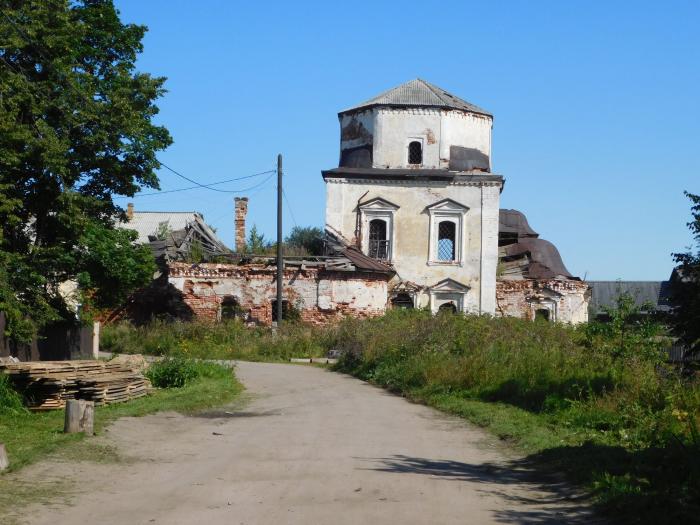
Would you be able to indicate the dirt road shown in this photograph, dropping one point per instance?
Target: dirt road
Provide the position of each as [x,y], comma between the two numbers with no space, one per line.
[311,447]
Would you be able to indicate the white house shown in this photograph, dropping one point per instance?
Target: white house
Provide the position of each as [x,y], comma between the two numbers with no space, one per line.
[414,188]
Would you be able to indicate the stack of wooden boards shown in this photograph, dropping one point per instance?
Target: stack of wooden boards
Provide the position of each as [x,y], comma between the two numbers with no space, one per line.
[46,385]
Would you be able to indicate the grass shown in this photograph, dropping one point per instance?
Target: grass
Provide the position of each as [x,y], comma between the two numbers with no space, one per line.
[230,339]
[30,436]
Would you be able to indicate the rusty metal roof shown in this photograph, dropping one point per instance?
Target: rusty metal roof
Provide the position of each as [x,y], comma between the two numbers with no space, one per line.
[541,258]
[419,93]
[514,222]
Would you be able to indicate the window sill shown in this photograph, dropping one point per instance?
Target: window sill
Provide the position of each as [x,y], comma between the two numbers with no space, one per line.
[445,263]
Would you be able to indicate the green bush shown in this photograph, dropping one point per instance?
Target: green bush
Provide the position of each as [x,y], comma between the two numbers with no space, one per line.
[179,372]
[10,399]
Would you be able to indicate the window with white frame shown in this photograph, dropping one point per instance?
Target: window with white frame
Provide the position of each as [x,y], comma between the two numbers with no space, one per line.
[377,233]
[448,295]
[446,232]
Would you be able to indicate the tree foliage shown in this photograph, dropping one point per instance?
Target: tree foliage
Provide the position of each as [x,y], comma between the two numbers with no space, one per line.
[75,129]
[685,284]
[309,238]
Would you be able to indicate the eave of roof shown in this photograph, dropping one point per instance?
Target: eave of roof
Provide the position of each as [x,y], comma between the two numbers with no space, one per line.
[410,174]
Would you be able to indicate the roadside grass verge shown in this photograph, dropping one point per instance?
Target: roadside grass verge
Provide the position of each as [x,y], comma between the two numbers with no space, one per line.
[30,436]
[230,339]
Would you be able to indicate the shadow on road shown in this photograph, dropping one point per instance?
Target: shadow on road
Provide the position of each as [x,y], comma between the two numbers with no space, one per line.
[554,501]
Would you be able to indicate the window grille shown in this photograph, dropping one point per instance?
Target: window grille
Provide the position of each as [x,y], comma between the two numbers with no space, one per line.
[402,300]
[378,243]
[415,153]
[446,241]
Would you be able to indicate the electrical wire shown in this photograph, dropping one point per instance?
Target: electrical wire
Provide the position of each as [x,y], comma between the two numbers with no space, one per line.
[206,185]
[289,207]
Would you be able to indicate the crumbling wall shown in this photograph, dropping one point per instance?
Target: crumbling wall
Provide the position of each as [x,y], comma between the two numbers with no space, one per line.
[319,296]
[565,300]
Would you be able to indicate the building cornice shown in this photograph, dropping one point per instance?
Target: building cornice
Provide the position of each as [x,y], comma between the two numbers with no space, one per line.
[409,176]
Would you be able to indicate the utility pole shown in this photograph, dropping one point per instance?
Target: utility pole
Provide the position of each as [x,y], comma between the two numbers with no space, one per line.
[280,260]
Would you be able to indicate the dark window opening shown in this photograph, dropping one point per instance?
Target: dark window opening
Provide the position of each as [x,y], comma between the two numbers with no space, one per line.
[402,300]
[378,243]
[231,309]
[448,307]
[542,314]
[285,310]
[415,153]
[446,241]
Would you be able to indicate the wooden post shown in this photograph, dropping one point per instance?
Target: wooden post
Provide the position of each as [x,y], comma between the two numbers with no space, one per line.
[80,416]
[4,461]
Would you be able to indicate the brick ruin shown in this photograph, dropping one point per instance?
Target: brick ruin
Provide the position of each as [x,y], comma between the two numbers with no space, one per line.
[316,293]
[533,281]
[552,299]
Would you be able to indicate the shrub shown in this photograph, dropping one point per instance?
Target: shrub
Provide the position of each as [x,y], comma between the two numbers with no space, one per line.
[10,399]
[178,372]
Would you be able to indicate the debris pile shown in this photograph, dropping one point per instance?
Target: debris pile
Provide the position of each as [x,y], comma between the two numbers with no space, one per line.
[46,385]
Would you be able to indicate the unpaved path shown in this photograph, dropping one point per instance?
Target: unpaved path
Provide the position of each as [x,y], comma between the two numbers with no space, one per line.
[311,447]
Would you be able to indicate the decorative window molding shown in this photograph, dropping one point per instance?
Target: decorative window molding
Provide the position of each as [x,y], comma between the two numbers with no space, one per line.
[371,212]
[545,300]
[448,292]
[450,214]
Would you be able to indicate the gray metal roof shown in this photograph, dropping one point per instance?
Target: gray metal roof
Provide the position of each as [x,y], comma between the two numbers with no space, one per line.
[147,222]
[418,92]
[605,293]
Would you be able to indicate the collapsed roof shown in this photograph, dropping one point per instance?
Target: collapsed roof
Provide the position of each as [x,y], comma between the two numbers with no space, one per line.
[172,235]
[523,255]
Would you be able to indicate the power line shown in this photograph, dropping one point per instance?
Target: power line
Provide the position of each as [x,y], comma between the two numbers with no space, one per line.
[206,185]
[289,207]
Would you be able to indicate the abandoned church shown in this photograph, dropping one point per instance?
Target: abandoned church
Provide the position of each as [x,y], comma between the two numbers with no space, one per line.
[412,221]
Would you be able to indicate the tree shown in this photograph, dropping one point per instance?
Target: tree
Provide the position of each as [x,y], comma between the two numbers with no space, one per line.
[685,285]
[75,129]
[309,238]
[256,242]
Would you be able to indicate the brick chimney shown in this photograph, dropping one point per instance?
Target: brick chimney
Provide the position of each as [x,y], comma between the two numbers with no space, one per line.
[130,211]
[239,222]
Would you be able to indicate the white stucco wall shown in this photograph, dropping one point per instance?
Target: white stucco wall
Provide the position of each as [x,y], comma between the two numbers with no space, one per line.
[411,231]
[390,130]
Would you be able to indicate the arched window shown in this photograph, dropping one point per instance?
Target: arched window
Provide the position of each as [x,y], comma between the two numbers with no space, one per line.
[415,152]
[446,241]
[230,309]
[402,300]
[448,308]
[378,243]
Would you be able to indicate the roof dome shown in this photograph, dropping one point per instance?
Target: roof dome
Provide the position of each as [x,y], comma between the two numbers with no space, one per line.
[419,93]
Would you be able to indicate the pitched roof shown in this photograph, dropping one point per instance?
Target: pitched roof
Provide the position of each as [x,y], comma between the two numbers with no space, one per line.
[418,92]
[605,293]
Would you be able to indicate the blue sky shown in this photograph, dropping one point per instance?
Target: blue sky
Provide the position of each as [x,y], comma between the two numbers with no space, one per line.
[596,104]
